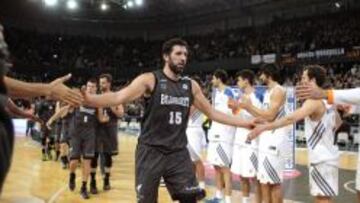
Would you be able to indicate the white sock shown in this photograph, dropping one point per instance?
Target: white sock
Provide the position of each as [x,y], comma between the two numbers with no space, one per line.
[218,194]
[227,199]
[202,184]
[246,200]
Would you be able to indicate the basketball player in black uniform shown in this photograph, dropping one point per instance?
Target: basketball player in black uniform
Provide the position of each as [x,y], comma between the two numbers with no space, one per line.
[44,110]
[6,126]
[57,132]
[82,140]
[64,115]
[15,88]
[106,136]
[161,150]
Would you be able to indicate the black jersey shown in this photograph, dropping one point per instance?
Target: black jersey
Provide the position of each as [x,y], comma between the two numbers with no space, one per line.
[58,127]
[65,122]
[166,114]
[45,109]
[112,118]
[85,116]
[4,54]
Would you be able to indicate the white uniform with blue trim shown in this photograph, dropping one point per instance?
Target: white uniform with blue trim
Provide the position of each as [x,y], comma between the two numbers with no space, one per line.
[195,135]
[271,143]
[245,155]
[221,137]
[323,154]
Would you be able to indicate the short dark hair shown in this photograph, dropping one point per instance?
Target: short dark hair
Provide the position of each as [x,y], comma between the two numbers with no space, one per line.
[92,80]
[221,74]
[168,45]
[107,76]
[316,72]
[271,70]
[247,74]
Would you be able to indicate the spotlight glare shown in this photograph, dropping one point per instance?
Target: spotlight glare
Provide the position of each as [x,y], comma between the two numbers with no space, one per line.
[71,4]
[50,2]
[130,4]
[104,6]
[139,2]
[337,5]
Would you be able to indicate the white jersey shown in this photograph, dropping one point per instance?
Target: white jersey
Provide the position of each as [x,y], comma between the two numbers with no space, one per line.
[218,131]
[273,141]
[241,133]
[320,137]
[196,119]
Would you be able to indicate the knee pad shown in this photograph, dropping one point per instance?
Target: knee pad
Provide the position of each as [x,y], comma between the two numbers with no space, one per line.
[107,160]
[94,161]
[190,195]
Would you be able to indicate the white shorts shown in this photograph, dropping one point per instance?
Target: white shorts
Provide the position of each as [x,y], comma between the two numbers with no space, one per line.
[244,161]
[271,166]
[358,175]
[196,142]
[220,154]
[324,180]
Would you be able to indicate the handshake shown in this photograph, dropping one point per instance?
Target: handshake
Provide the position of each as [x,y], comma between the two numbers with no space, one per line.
[257,125]
[60,92]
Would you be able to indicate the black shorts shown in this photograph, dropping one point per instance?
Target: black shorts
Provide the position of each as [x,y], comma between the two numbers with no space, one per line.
[45,132]
[82,142]
[64,137]
[150,165]
[6,144]
[57,132]
[107,140]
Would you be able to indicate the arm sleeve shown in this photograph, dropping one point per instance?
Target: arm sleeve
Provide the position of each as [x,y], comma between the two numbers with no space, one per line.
[347,96]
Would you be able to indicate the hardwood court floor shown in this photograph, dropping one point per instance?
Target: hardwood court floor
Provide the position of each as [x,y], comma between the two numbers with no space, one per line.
[33,181]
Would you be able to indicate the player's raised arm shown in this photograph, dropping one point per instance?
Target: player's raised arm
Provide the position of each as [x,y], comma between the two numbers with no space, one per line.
[276,101]
[345,96]
[56,90]
[201,103]
[306,109]
[137,88]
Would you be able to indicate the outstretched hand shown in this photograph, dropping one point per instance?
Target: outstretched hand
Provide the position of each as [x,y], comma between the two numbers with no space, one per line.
[307,91]
[256,132]
[60,92]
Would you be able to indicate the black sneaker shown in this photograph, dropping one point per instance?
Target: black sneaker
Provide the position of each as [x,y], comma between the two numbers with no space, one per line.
[72,184]
[107,184]
[93,188]
[84,193]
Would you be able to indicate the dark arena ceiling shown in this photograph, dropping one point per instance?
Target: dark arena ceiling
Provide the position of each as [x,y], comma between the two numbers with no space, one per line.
[118,10]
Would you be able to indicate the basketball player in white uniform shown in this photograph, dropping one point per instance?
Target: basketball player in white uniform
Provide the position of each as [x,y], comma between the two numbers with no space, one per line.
[196,139]
[196,142]
[321,122]
[221,138]
[245,154]
[270,159]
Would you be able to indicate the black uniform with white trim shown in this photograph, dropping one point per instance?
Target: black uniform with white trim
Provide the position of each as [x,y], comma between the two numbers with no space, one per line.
[82,135]
[106,134]
[161,150]
[6,126]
